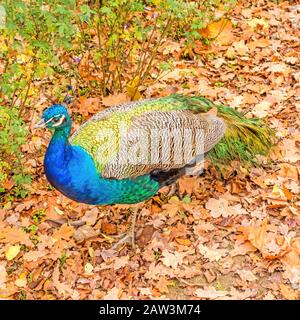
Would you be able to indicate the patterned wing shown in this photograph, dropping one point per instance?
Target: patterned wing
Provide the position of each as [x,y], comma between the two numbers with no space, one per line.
[101,135]
[140,138]
[163,141]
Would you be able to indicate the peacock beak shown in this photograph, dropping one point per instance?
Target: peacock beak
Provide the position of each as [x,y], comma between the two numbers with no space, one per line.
[40,124]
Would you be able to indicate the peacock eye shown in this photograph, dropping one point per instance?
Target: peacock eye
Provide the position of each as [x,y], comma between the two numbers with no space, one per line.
[56,120]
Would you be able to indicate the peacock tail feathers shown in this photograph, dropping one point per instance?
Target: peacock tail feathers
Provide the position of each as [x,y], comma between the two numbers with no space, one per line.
[244,138]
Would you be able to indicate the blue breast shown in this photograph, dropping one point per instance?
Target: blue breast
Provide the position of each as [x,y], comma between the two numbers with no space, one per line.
[72,171]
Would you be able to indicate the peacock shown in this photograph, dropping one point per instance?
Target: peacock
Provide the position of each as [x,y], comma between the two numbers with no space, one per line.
[126,153]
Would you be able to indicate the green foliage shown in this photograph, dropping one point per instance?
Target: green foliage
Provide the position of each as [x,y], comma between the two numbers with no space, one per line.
[12,136]
[29,42]
[38,216]
[31,229]
[63,259]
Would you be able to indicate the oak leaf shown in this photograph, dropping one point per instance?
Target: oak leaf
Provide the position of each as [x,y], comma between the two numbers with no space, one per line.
[13,235]
[116,99]
[172,259]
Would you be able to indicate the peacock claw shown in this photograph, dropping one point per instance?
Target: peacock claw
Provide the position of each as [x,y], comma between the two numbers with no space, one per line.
[172,190]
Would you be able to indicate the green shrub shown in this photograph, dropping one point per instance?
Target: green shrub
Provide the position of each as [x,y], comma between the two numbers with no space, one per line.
[33,33]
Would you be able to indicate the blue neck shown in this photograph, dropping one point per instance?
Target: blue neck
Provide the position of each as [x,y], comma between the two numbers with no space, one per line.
[61,133]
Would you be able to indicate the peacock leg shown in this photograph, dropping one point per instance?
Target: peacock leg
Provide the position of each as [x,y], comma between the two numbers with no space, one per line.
[129,237]
[172,191]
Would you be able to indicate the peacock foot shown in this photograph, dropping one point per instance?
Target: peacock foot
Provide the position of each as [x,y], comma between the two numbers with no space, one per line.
[129,236]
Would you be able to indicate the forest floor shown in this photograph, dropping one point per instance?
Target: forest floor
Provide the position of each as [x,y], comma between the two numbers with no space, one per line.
[235,237]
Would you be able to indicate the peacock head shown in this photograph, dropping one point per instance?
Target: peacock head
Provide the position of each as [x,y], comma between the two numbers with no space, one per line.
[54,117]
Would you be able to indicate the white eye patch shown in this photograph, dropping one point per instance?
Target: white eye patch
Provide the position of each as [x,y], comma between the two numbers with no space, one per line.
[59,122]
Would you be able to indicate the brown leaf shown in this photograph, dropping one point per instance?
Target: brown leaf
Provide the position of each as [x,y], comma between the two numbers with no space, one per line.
[188,184]
[220,208]
[146,236]
[12,235]
[65,232]
[120,262]
[246,275]
[108,228]
[162,285]
[184,242]
[210,293]
[116,99]
[172,259]
[212,254]
[220,30]
[288,171]
[34,255]
[91,216]
[85,105]
[257,235]
[84,233]
[288,292]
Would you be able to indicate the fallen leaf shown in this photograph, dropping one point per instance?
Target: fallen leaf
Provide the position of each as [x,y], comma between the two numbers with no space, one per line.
[3,274]
[116,99]
[288,292]
[292,153]
[88,268]
[35,255]
[188,184]
[253,23]
[212,254]
[108,228]
[261,109]
[86,106]
[65,232]
[184,242]
[246,275]
[172,259]
[240,47]
[288,171]
[120,262]
[221,31]
[91,216]
[83,233]
[220,207]
[12,235]
[210,293]
[162,285]
[113,294]
[21,282]
[12,252]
